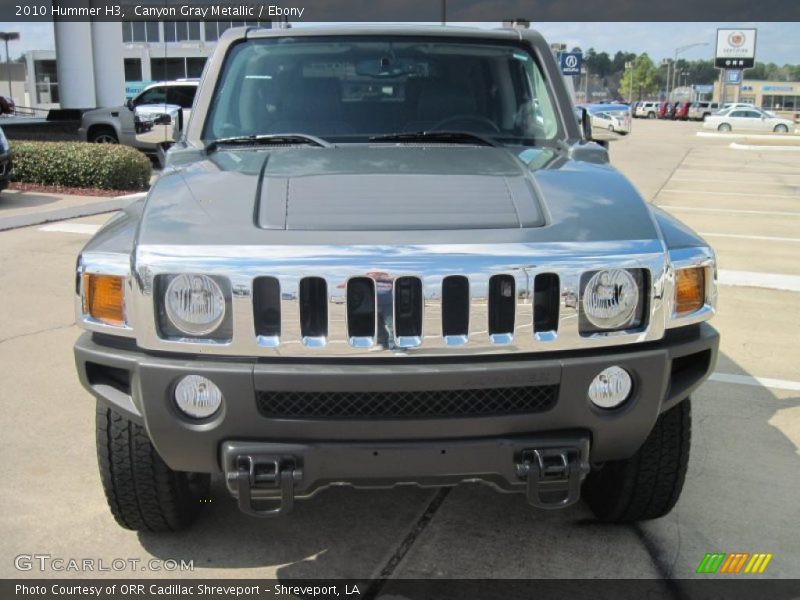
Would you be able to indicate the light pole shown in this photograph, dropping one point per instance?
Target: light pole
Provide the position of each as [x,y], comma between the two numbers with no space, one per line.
[8,36]
[629,65]
[678,50]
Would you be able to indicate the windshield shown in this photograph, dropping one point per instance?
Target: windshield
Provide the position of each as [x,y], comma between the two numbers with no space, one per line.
[354,88]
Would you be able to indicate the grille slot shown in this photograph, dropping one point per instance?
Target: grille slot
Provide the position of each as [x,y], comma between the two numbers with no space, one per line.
[502,301]
[313,309]
[361,309]
[408,404]
[546,295]
[455,308]
[267,306]
[408,307]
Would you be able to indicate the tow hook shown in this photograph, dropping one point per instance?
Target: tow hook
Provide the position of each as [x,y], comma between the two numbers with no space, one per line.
[553,475]
[265,472]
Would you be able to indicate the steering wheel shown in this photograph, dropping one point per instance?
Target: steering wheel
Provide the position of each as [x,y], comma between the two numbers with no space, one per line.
[482,121]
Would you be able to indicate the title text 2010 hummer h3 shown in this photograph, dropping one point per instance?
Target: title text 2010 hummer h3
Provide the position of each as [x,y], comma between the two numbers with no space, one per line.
[392,255]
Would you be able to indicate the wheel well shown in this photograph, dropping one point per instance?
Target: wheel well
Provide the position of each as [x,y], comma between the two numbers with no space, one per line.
[94,129]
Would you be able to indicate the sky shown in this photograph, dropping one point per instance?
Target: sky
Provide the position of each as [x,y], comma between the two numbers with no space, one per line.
[777,42]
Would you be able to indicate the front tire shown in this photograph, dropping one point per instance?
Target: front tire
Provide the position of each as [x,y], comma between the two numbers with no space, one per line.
[781,129]
[647,485]
[103,135]
[143,493]
[724,128]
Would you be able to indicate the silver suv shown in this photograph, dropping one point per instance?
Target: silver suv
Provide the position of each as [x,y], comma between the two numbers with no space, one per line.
[647,110]
[381,256]
[120,124]
[698,111]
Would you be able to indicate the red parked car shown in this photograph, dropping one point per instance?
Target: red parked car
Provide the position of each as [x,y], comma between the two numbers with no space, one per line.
[682,111]
[663,110]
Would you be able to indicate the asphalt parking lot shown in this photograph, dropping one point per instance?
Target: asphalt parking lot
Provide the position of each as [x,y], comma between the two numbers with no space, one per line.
[741,490]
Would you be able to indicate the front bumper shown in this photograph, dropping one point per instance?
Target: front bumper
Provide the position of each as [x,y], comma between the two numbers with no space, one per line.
[140,386]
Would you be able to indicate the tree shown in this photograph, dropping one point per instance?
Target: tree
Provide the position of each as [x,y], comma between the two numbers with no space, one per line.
[619,60]
[645,78]
[598,63]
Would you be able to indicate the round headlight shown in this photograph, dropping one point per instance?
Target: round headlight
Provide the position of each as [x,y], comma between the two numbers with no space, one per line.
[195,304]
[610,388]
[197,396]
[610,299]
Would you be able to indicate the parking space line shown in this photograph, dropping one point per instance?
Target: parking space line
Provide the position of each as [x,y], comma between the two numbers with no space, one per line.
[737,236]
[776,213]
[81,228]
[744,181]
[777,148]
[776,384]
[748,194]
[773,281]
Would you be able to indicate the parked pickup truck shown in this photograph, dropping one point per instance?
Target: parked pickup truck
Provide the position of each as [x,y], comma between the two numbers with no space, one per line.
[141,114]
[391,255]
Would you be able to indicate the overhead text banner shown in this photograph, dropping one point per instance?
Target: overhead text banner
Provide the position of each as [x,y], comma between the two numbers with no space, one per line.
[399,10]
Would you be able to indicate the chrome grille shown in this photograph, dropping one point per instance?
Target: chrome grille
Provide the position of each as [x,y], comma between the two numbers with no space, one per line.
[273,317]
[407,404]
[371,310]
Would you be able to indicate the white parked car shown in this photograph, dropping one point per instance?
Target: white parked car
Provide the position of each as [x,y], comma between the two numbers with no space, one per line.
[617,121]
[729,106]
[747,119]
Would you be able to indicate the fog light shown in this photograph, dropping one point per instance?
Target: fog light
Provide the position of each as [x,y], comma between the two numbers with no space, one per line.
[197,396]
[610,387]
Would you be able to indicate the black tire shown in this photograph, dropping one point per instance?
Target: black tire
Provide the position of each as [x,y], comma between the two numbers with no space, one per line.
[724,128]
[143,493]
[103,135]
[651,115]
[647,485]
[781,129]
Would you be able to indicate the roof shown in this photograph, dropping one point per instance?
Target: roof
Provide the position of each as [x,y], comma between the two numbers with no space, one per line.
[392,29]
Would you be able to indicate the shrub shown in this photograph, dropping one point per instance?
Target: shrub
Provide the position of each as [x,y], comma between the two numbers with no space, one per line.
[79,164]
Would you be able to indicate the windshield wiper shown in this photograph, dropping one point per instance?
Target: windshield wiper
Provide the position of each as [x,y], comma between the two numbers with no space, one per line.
[268,139]
[454,137]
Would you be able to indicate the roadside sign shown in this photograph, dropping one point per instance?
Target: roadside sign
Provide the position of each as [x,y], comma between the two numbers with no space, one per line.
[733,77]
[133,88]
[703,89]
[736,49]
[571,63]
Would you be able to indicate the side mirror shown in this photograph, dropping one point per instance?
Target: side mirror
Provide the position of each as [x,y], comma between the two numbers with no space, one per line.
[586,125]
[129,104]
[157,124]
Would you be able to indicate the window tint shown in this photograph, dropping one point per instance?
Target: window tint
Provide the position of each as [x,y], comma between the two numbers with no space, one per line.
[154,95]
[738,113]
[182,95]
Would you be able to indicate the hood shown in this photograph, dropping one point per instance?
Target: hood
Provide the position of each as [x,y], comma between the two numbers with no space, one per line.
[388,193]
[396,188]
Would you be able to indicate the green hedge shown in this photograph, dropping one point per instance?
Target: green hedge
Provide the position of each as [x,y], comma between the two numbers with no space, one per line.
[78,164]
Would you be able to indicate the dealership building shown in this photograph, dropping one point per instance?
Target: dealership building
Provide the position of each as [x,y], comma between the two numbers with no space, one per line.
[777,96]
[125,57]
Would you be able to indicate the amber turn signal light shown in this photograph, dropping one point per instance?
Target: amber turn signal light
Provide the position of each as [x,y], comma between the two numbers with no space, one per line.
[104,298]
[690,286]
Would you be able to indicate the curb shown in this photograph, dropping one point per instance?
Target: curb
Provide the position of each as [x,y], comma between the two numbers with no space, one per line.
[70,212]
